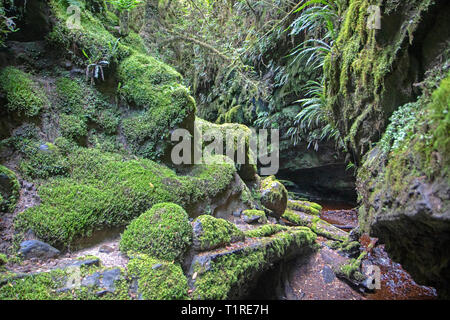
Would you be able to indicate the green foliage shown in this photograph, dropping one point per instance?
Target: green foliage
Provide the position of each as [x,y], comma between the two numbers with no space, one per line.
[215,233]
[42,161]
[80,104]
[23,94]
[158,279]
[163,232]
[72,126]
[125,5]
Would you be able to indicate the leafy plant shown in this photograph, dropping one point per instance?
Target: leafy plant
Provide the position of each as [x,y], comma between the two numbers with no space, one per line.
[97,61]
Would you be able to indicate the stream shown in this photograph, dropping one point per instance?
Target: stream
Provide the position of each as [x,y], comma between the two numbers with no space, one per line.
[396,283]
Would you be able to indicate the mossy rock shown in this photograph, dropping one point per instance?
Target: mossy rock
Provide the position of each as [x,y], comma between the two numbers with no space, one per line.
[211,233]
[254,216]
[163,232]
[305,206]
[228,274]
[239,136]
[102,190]
[274,195]
[165,104]
[9,189]
[158,279]
[24,95]
[266,230]
[317,225]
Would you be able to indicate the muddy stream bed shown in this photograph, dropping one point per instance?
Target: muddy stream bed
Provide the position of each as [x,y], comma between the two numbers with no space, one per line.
[396,283]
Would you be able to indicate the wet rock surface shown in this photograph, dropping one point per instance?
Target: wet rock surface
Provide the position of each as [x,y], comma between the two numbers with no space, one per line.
[37,249]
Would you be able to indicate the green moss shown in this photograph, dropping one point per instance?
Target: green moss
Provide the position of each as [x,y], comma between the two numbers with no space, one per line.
[72,126]
[352,269]
[305,206]
[163,232]
[255,213]
[231,272]
[41,286]
[42,161]
[3,259]
[294,218]
[239,136]
[416,145]
[23,94]
[265,230]
[214,233]
[9,189]
[152,85]
[81,103]
[158,279]
[360,64]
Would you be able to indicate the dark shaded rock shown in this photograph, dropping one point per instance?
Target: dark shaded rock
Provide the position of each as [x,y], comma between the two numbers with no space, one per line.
[109,277]
[37,249]
[91,281]
[328,274]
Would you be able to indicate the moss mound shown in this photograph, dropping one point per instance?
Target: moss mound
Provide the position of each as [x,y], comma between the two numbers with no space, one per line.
[23,94]
[158,279]
[210,233]
[254,215]
[9,189]
[163,232]
[154,87]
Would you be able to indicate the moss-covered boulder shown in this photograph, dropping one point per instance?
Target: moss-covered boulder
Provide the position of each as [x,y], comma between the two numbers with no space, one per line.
[24,95]
[305,206]
[157,279]
[164,105]
[9,189]
[103,190]
[211,233]
[231,273]
[274,195]
[317,225]
[235,137]
[162,232]
[254,216]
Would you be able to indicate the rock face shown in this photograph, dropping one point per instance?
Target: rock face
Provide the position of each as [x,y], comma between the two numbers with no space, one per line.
[37,249]
[316,173]
[274,196]
[370,72]
[386,76]
[405,190]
